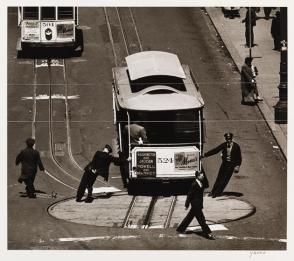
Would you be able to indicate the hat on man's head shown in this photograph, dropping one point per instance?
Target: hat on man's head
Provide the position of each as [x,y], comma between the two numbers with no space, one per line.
[108,148]
[228,136]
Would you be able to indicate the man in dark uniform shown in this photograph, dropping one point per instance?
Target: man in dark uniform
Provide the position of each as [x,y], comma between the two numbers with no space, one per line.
[30,161]
[250,22]
[231,161]
[195,198]
[98,166]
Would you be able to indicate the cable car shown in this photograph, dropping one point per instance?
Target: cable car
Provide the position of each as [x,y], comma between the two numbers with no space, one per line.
[49,27]
[158,93]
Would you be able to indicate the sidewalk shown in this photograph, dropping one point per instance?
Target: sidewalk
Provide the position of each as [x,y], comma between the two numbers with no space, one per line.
[232,33]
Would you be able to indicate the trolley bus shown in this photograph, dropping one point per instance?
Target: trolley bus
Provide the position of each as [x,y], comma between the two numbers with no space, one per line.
[158,92]
[49,27]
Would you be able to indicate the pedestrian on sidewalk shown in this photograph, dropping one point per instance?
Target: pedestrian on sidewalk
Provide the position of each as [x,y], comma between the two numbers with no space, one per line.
[276,31]
[267,12]
[250,22]
[98,166]
[195,198]
[30,161]
[231,161]
[249,88]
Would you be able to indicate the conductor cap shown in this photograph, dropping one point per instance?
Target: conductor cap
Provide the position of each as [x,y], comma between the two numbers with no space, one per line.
[108,148]
[228,136]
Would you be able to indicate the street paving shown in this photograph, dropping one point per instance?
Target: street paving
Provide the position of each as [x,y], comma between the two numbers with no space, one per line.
[110,211]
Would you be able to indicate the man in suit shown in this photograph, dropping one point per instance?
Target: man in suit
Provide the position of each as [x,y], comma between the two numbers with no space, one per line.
[231,161]
[250,22]
[98,166]
[30,161]
[195,198]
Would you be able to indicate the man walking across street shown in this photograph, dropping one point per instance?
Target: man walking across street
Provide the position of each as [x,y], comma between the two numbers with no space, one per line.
[30,161]
[195,198]
[98,166]
[231,161]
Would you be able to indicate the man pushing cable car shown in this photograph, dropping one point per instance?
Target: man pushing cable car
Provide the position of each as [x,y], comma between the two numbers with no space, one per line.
[99,166]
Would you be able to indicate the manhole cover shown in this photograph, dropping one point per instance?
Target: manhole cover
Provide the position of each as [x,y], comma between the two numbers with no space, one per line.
[59,149]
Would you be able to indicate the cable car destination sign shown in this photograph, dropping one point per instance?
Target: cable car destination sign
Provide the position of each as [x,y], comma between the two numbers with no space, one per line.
[162,161]
[146,163]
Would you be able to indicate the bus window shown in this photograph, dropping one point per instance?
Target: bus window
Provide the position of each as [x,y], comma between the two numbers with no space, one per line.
[65,13]
[30,13]
[48,13]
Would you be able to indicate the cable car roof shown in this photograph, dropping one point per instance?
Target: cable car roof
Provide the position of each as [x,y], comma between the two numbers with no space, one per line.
[156,97]
[162,102]
[151,63]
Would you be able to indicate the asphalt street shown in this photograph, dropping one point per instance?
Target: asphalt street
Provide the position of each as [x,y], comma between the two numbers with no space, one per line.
[69,131]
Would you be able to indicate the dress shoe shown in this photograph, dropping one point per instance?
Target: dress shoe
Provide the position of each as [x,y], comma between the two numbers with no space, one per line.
[258,98]
[210,236]
[78,200]
[89,200]
[180,231]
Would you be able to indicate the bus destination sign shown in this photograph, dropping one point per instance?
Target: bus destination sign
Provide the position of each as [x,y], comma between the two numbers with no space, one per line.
[146,164]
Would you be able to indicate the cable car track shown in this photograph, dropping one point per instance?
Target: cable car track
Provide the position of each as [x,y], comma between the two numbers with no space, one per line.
[50,129]
[122,12]
[144,212]
[68,126]
[127,43]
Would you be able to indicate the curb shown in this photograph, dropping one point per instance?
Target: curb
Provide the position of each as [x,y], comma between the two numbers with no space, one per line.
[263,107]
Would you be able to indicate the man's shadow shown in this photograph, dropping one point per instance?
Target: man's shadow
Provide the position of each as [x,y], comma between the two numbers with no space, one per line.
[231,193]
[25,195]
[91,199]
[198,233]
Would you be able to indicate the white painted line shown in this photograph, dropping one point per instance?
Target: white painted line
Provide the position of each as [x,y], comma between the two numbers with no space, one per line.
[25,62]
[105,190]
[76,239]
[78,60]
[253,238]
[84,27]
[70,239]
[216,227]
[158,226]
[54,96]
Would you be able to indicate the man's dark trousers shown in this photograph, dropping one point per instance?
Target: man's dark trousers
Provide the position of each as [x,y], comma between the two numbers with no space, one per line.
[247,36]
[224,175]
[198,214]
[87,181]
[29,182]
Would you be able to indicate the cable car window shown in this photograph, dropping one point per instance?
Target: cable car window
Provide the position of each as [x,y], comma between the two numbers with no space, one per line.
[30,13]
[65,13]
[158,80]
[180,126]
[48,13]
